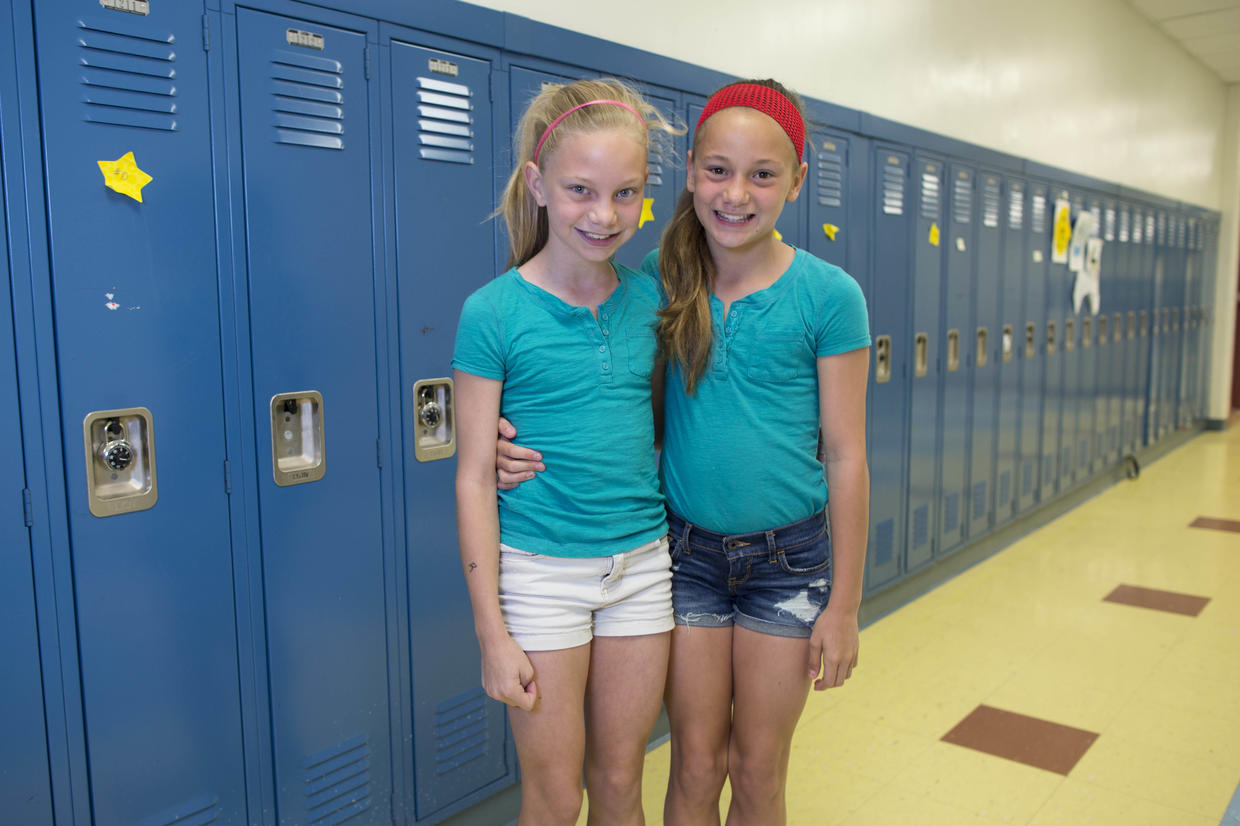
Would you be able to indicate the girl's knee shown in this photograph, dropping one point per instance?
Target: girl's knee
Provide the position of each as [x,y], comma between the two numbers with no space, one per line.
[758,782]
[701,772]
[551,803]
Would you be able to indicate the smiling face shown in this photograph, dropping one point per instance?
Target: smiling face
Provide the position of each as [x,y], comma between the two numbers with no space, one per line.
[592,187]
[743,169]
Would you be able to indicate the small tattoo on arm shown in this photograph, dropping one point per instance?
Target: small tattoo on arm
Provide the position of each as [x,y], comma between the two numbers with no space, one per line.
[472,565]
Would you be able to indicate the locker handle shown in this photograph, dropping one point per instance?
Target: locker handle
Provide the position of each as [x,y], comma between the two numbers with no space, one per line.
[1117,326]
[1087,333]
[1102,331]
[435,420]
[983,355]
[1050,338]
[921,353]
[1008,343]
[1031,332]
[953,350]
[1069,335]
[882,359]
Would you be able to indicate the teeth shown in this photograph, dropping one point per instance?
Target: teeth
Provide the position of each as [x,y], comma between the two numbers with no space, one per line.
[732,219]
[595,235]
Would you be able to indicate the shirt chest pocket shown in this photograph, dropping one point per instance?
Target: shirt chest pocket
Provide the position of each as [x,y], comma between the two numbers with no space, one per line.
[640,352]
[778,354]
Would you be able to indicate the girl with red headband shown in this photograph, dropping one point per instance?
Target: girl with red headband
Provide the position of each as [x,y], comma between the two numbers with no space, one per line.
[569,576]
[766,348]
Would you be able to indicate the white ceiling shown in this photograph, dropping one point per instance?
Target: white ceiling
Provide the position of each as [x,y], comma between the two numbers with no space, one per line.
[1208,29]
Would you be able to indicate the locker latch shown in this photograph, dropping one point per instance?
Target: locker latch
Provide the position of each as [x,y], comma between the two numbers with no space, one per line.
[120,461]
[882,359]
[298,446]
[434,422]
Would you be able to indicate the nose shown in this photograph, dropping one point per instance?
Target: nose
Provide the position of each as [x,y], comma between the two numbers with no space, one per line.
[735,192]
[603,213]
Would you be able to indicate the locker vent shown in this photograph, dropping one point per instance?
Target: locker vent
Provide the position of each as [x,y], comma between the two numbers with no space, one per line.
[931,197]
[893,190]
[655,161]
[1026,478]
[884,541]
[307,100]
[1149,229]
[1097,213]
[1160,228]
[921,526]
[1108,224]
[1181,239]
[461,731]
[992,203]
[962,200]
[1138,227]
[128,73]
[979,501]
[1125,220]
[831,180]
[951,512]
[1038,223]
[198,812]
[445,122]
[338,782]
[1005,489]
[1016,207]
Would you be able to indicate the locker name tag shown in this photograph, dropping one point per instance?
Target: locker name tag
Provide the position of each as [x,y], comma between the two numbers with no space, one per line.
[443,67]
[142,7]
[307,40]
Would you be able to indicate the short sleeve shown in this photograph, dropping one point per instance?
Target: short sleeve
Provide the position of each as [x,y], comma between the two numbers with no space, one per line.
[844,323]
[650,266]
[479,348]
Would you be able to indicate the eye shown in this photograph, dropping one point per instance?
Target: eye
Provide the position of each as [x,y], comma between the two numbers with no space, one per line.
[764,174]
[715,170]
[627,192]
[577,189]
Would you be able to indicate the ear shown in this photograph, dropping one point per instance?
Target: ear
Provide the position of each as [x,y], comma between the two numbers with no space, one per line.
[797,181]
[534,180]
[689,184]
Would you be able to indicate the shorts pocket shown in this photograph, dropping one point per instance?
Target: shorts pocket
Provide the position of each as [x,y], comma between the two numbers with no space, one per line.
[808,559]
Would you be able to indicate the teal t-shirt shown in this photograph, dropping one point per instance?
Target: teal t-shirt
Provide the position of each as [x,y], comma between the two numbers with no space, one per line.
[740,455]
[579,389]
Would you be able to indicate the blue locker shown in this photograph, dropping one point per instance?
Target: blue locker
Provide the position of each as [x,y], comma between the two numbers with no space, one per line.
[957,342]
[1196,277]
[1146,323]
[309,195]
[1057,286]
[1009,460]
[892,377]
[1110,357]
[1069,416]
[1179,321]
[135,294]
[1087,447]
[1160,323]
[443,252]
[985,357]
[924,340]
[1124,321]
[1136,326]
[25,786]
[1033,347]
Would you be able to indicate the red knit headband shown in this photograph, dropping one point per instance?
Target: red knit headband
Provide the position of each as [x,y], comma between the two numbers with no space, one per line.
[767,101]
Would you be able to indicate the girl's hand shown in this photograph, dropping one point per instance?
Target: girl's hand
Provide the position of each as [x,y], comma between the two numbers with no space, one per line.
[507,674]
[513,464]
[833,648]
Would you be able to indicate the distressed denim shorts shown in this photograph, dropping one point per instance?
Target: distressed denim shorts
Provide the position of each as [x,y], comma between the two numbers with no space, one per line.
[774,582]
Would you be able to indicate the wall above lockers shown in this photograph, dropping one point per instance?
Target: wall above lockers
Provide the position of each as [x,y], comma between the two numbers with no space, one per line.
[1090,87]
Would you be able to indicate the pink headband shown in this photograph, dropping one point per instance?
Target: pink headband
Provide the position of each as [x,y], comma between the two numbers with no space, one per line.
[765,100]
[556,122]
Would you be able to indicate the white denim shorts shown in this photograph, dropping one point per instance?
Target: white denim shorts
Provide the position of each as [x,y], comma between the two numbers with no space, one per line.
[552,603]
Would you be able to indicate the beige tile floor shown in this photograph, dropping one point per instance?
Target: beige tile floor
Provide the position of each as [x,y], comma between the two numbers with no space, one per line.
[1027,631]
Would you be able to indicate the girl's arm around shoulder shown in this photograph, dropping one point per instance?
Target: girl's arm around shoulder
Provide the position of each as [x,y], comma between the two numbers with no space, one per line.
[507,674]
[841,403]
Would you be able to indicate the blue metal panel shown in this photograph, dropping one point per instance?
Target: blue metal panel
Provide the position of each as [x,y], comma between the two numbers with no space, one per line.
[893,208]
[1053,352]
[1069,422]
[956,335]
[924,341]
[986,357]
[1010,351]
[1147,323]
[1110,356]
[134,288]
[459,740]
[1087,445]
[25,786]
[309,196]
[1033,349]
[1156,390]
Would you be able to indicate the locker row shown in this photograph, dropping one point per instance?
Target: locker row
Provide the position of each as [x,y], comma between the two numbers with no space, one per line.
[237,238]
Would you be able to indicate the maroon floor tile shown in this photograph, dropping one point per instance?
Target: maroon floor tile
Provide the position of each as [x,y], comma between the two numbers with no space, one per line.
[1186,604]
[1029,740]
[1216,524]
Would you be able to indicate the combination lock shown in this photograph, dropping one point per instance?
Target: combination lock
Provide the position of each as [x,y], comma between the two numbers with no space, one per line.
[116,452]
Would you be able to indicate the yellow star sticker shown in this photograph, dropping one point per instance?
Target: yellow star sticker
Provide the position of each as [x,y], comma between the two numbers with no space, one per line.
[934,235]
[778,237]
[830,230]
[647,212]
[124,176]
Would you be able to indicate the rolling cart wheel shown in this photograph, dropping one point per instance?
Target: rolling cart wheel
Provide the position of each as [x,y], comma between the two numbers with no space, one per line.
[1131,468]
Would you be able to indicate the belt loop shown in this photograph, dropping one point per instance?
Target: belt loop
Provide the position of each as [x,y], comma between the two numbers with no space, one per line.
[770,546]
[685,530]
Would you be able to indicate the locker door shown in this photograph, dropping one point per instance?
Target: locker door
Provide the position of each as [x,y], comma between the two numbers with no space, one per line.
[890,377]
[306,152]
[1053,352]
[986,332]
[1087,387]
[1134,335]
[1111,358]
[1033,346]
[443,253]
[663,185]
[1179,322]
[957,343]
[1147,326]
[924,341]
[1121,285]
[1069,418]
[25,789]
[135,295]
[1193,301]
[1009,351]
[1158,356]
